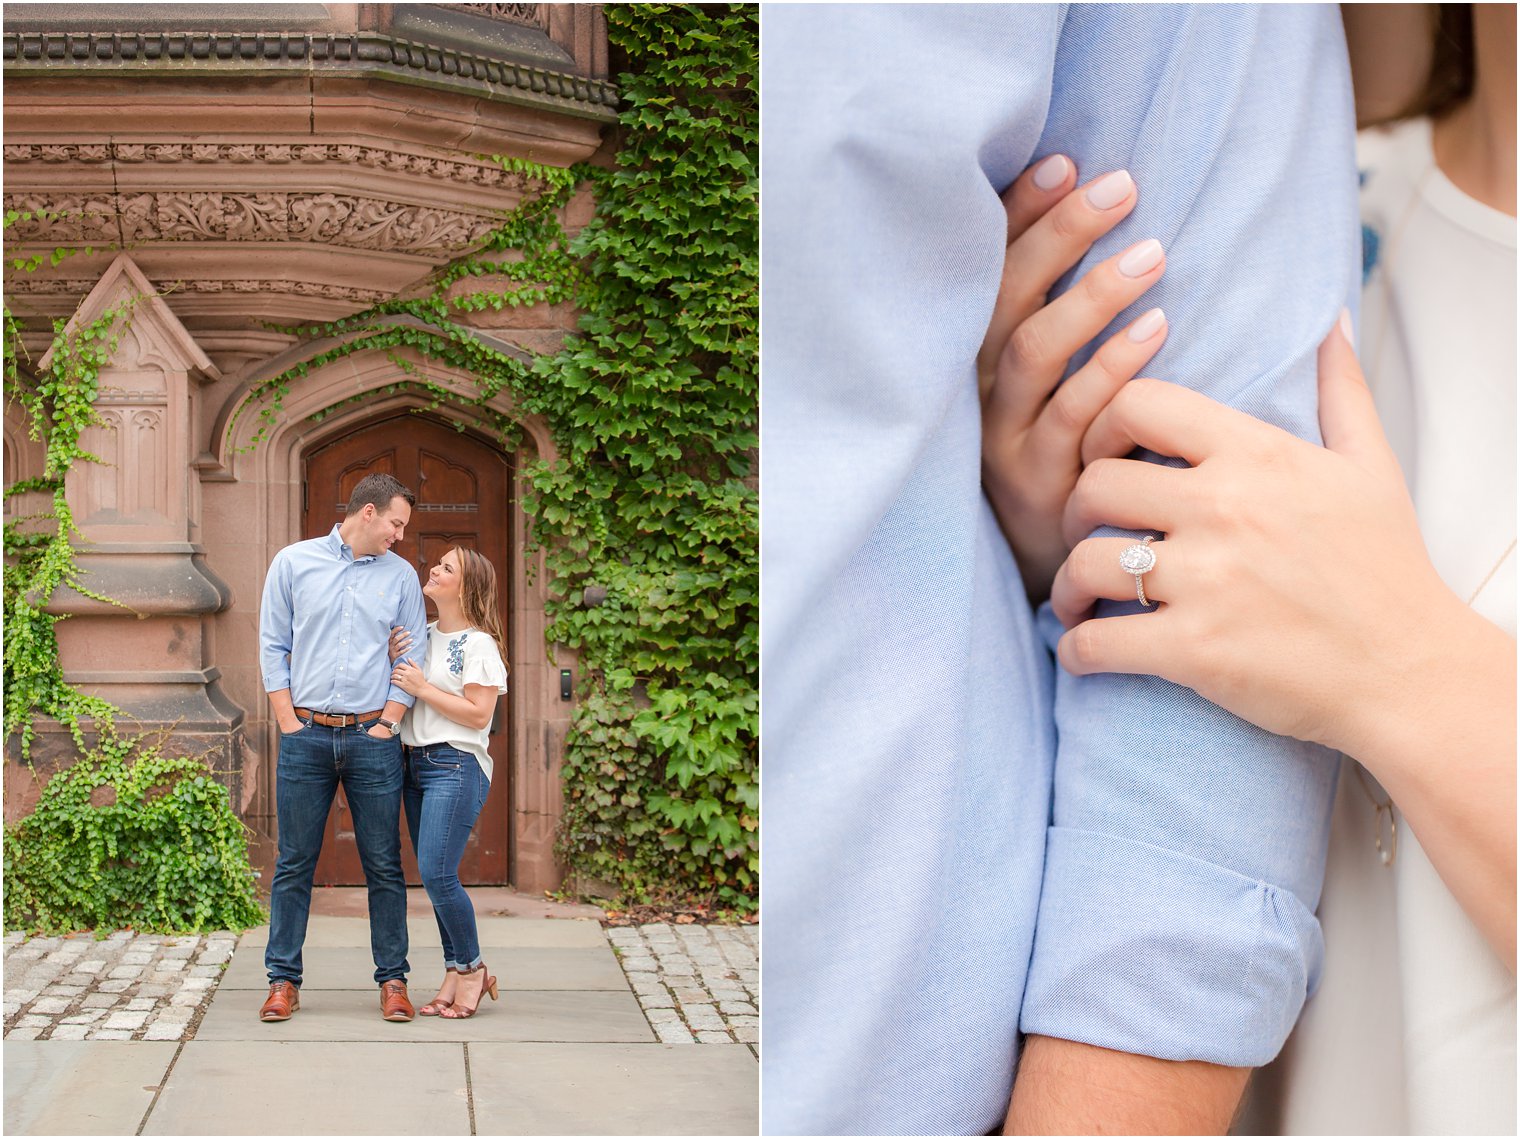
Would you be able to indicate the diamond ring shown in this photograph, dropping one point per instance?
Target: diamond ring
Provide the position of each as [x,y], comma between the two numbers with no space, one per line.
[1139,559]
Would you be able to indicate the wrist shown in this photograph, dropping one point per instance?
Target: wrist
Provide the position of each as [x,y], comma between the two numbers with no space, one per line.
[1421,700]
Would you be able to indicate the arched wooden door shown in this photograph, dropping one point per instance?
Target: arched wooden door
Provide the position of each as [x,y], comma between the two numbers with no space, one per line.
[463,489]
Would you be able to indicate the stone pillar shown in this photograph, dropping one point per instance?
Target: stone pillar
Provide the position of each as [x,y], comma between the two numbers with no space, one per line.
[148,655]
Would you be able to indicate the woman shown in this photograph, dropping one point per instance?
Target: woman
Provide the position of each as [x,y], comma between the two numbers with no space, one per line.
[448,769]
[1293,587]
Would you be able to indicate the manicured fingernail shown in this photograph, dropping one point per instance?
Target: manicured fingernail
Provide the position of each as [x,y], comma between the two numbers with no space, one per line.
[1109,190]
[1141,259]
[1052,172]
[1346,330]
[1147,326]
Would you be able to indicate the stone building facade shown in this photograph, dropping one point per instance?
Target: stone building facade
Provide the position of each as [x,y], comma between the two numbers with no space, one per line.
[230,170]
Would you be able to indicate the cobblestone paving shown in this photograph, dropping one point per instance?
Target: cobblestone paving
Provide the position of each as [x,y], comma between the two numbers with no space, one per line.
[697,983]
[125,987]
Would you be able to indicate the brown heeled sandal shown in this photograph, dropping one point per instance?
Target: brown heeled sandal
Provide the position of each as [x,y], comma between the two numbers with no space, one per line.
[458,1010]
[436,1006]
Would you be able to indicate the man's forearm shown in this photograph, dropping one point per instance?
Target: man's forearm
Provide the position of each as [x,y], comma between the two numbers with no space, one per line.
[284,710]
[1065,1088]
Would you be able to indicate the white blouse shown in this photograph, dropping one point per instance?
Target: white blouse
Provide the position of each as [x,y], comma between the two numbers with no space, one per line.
[1413,1028]
[453,660]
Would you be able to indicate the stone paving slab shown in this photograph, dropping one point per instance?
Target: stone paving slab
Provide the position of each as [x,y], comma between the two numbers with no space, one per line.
[324,932]
[613,1089]
[293,1088]
[77,1087]
[344,1014]
[516,969]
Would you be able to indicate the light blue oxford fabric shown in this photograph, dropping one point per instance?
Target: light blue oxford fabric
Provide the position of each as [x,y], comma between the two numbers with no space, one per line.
[325,621]
[914,795]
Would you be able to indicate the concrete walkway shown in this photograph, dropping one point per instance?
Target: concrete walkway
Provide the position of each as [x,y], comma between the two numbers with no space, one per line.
[567,1050]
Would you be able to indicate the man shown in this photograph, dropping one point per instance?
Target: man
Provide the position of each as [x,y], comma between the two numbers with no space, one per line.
[962,844]
[324,625]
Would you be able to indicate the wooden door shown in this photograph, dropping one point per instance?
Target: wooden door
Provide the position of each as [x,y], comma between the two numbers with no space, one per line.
[462,487]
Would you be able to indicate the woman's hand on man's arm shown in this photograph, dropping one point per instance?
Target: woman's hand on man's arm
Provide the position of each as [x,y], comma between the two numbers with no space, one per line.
[1032,422]
[1293,588]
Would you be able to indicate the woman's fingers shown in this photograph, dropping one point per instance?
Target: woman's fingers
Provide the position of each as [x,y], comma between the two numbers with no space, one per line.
[1348,419]
[1037,352]
[1092,573]
[1169,420]
[1035,191]
[1127,494]
[1056,438]
[1065,232]
[1052,244]
[1137,643]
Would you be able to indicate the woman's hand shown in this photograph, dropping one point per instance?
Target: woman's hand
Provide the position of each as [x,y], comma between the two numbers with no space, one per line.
[401,640]
[1294,590]
[1032,428]
[408,677]
[1293,584]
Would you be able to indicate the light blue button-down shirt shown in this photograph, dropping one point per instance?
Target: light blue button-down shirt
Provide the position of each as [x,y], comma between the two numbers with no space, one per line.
[960,843]
[325,622]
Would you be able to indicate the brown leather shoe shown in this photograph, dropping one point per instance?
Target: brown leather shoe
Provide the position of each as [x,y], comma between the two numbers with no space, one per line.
[394,1004]
[284,1000]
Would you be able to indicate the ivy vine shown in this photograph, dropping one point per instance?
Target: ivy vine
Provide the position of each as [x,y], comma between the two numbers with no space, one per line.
[655,413]
[125,835]
[129,836]
[648,518]
[59,405]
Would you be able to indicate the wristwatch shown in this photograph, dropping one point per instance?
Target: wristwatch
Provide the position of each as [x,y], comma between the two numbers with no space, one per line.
[390,725]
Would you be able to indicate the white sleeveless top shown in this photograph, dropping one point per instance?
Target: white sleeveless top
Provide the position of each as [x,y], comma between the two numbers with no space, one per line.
[1412,1030]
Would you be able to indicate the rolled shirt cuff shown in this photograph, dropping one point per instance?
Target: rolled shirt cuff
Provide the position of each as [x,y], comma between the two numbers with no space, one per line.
[1142,949]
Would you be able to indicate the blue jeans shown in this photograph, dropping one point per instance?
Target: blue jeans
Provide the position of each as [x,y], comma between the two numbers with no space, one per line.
[445,790]
[313,761]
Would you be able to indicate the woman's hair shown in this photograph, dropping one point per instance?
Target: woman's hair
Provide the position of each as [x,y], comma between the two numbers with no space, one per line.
[477,596]
[1450,81]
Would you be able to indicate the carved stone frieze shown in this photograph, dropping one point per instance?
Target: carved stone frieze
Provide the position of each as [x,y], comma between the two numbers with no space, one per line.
[30,284]
[271,153]
[529,15]
[81,218]
[329,219]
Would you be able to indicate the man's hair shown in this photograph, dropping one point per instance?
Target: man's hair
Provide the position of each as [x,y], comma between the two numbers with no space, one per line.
[377,491]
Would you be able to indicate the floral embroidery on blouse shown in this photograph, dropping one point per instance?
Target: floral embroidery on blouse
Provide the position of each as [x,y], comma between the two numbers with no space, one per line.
[1370,239]
[456,653]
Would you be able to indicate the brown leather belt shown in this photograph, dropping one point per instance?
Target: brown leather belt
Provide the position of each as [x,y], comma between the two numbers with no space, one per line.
[334,720]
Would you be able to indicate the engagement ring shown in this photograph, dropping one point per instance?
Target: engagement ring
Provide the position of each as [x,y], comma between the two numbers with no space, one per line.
[1139,560]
